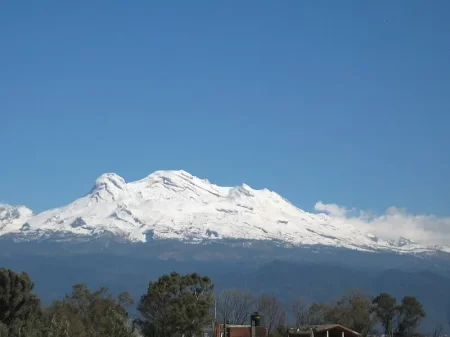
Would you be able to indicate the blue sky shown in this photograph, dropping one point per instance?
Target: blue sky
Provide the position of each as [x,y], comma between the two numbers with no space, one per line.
[347,102]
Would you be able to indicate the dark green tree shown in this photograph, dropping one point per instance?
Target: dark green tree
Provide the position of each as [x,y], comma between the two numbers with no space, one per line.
[353,310]
[385,309]
[176,304]
[20,309]
[410,313]
[87,313]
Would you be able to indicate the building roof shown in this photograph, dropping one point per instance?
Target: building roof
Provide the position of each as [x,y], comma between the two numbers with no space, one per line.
[241,326]
[237,325]
[306,329]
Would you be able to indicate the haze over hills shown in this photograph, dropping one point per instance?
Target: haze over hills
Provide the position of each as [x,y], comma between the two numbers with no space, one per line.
[175,205]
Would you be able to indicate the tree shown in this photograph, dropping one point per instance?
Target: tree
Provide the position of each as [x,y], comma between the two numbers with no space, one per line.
[272,310]
[235,305]
[410,313]
[4,331]
[176,304]
[20,309]
[317,313]
[385,309]
[353,310]
[300,309]
[17,300]
[437,332]
[87,313]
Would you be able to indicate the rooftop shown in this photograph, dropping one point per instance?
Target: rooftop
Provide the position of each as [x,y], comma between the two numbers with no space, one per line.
[305,329]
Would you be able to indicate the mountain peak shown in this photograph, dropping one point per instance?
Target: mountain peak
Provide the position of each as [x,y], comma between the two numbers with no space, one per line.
[9,212]
[108,179]
[108,185]
[170,174]
[12,217]
[175,180]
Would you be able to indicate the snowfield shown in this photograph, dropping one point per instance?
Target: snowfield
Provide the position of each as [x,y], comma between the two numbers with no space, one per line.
[177,205]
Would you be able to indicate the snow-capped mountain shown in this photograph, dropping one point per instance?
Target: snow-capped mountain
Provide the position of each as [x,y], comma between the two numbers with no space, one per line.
[176,205]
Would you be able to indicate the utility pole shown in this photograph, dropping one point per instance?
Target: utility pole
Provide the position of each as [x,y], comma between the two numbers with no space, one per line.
[224,327]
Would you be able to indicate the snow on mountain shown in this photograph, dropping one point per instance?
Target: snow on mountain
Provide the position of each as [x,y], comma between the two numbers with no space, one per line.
[12,218]
[177,205]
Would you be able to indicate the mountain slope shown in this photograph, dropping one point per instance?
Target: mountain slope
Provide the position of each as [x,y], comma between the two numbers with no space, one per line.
[176,205]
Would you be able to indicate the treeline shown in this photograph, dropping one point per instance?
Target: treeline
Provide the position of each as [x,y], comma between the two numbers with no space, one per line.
[183,305]
[83,313]
[173,306]
[356,310]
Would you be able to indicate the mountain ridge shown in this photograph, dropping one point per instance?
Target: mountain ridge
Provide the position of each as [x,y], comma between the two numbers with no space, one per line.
[176,205]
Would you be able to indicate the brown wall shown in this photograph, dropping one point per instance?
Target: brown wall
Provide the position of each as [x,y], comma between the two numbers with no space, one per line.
[241,331]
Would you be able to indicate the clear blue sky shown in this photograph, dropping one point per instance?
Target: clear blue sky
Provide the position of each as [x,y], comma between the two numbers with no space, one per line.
[339,101]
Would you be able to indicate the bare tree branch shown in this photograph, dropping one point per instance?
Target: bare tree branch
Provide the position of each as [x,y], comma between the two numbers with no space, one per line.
[300,308]
[235,305]
[272,310]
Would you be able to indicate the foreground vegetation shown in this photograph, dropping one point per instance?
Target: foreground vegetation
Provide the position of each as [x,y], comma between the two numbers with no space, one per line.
[356,310]
[176,305]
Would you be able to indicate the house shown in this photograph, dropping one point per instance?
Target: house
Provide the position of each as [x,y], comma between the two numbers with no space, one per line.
[323,330]
[233,330]
[254,329]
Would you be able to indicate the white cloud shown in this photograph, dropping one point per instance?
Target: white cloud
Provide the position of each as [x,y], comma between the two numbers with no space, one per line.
[394,223]
[331,209]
